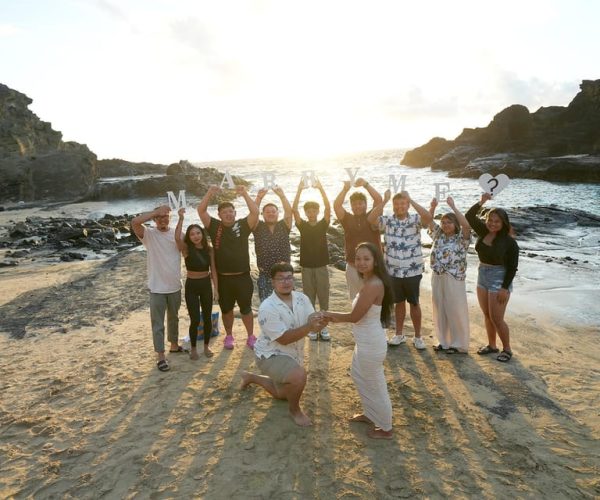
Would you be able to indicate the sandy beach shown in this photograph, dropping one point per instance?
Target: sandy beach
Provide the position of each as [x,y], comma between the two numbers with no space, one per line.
[84,413]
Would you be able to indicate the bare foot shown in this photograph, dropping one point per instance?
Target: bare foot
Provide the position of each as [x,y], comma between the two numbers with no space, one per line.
[378,433]
[359,417]
[193,353]
[301,419]
[208,353]
[246,380]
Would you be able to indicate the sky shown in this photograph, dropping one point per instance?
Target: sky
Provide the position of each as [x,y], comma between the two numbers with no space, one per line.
[202,80]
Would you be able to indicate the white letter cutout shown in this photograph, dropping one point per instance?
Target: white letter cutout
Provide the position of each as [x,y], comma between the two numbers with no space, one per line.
[441,190]
[176,203]
[227,177]
[351,175]
[308,178]
[268,180]
[393,183]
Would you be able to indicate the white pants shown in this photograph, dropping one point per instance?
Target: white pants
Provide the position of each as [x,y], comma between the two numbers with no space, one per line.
[353,280]
[450,311]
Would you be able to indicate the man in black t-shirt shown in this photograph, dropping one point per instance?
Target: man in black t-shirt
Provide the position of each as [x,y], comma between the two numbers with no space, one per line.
[229,238]
[314,254]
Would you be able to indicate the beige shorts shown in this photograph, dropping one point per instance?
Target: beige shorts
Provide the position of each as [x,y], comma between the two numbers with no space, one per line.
[277,368]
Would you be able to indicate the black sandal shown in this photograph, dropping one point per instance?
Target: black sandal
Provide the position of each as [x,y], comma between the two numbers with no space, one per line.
[163,366]
[504,356]
[438,348]
[487,350]
[454,350]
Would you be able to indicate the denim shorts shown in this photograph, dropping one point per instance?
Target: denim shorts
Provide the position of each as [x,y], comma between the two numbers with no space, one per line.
[490,277]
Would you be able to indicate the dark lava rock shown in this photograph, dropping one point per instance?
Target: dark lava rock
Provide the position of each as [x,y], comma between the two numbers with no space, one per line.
[554,143]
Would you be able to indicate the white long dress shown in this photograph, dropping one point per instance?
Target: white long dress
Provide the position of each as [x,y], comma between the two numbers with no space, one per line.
[367,367]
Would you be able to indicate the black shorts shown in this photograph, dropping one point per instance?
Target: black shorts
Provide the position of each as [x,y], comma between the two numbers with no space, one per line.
[235,288]
[407,289]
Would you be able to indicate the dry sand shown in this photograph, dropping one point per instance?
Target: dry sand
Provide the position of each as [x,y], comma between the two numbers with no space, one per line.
[84,413]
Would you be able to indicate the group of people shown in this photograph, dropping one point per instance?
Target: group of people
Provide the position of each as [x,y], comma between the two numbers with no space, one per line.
[379,279]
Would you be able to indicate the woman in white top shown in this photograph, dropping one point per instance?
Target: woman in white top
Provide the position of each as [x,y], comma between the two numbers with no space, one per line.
[371,311]
[448,257]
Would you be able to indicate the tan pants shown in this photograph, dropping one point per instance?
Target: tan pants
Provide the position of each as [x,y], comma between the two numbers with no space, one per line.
[353,280]
[450,311]
[315,285]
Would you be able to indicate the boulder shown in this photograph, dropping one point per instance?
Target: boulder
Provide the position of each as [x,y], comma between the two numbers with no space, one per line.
[554,143]
[35,164]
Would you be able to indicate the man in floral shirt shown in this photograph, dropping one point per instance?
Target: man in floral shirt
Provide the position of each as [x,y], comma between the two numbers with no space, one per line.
[403,258]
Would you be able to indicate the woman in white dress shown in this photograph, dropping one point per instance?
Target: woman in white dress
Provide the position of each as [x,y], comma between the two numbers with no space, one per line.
[370,313]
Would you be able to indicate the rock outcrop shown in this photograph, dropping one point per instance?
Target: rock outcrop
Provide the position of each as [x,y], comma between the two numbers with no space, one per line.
[35,163]
[554,143]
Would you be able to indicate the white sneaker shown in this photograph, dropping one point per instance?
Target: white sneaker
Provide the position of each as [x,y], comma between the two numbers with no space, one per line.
[313,335]
[397,340]
[419,343]
[325,335]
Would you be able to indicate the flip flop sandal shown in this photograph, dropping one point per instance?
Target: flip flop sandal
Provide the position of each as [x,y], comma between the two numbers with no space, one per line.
[163,366]
[179,349]
[438,348]
[453,350]
[504,356]
[487,350]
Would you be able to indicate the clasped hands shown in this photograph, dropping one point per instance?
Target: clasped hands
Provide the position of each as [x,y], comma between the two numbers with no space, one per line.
[317,321]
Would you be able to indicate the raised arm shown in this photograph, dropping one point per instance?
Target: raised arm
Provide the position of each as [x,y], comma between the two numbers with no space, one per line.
[203,205]
[178,230]
[432,206]
[137,223]
[426,217]
[252,207]
[338,204]
[326,206]
[260,195]
[287,208]
[377,210]
[476,223]
[360,182]
[295,211]
[464,223]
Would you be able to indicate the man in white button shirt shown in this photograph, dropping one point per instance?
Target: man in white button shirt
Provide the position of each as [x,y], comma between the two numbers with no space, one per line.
[285,318]
[164,279]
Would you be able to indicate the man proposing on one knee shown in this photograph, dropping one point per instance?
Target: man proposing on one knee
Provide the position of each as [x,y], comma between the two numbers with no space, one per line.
[285,318]
[164,279]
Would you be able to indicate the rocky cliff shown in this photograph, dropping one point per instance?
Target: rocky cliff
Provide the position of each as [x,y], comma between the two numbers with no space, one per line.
[555,143]
[35,163]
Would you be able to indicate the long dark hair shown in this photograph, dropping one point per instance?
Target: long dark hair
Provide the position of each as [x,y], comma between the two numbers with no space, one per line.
[205,243]
[381,272]
[507,229]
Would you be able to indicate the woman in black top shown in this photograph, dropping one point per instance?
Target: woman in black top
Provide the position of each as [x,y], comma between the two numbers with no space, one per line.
[200,265]
[498,261]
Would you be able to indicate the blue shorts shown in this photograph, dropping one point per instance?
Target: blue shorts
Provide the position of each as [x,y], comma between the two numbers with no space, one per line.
[406,289]
[490,277]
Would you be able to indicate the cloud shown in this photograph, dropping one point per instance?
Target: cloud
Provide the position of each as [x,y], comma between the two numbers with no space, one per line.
[8,30]
[534,92]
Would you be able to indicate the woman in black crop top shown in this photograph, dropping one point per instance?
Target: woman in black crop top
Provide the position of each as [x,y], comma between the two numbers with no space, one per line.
[498,261]
[200,264]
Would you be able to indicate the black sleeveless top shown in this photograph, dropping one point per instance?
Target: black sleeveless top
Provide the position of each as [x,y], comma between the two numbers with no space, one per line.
[198,259]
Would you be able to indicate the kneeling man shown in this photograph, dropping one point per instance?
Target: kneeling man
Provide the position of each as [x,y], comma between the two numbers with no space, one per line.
[285,318]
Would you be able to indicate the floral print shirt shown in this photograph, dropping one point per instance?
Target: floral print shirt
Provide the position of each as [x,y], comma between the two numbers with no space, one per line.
[402,237]
[449,253]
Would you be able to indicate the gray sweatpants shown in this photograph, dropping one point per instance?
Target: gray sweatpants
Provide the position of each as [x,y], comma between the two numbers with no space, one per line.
[159,304]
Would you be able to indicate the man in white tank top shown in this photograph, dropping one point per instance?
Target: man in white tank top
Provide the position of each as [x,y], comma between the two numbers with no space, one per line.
[164,279]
